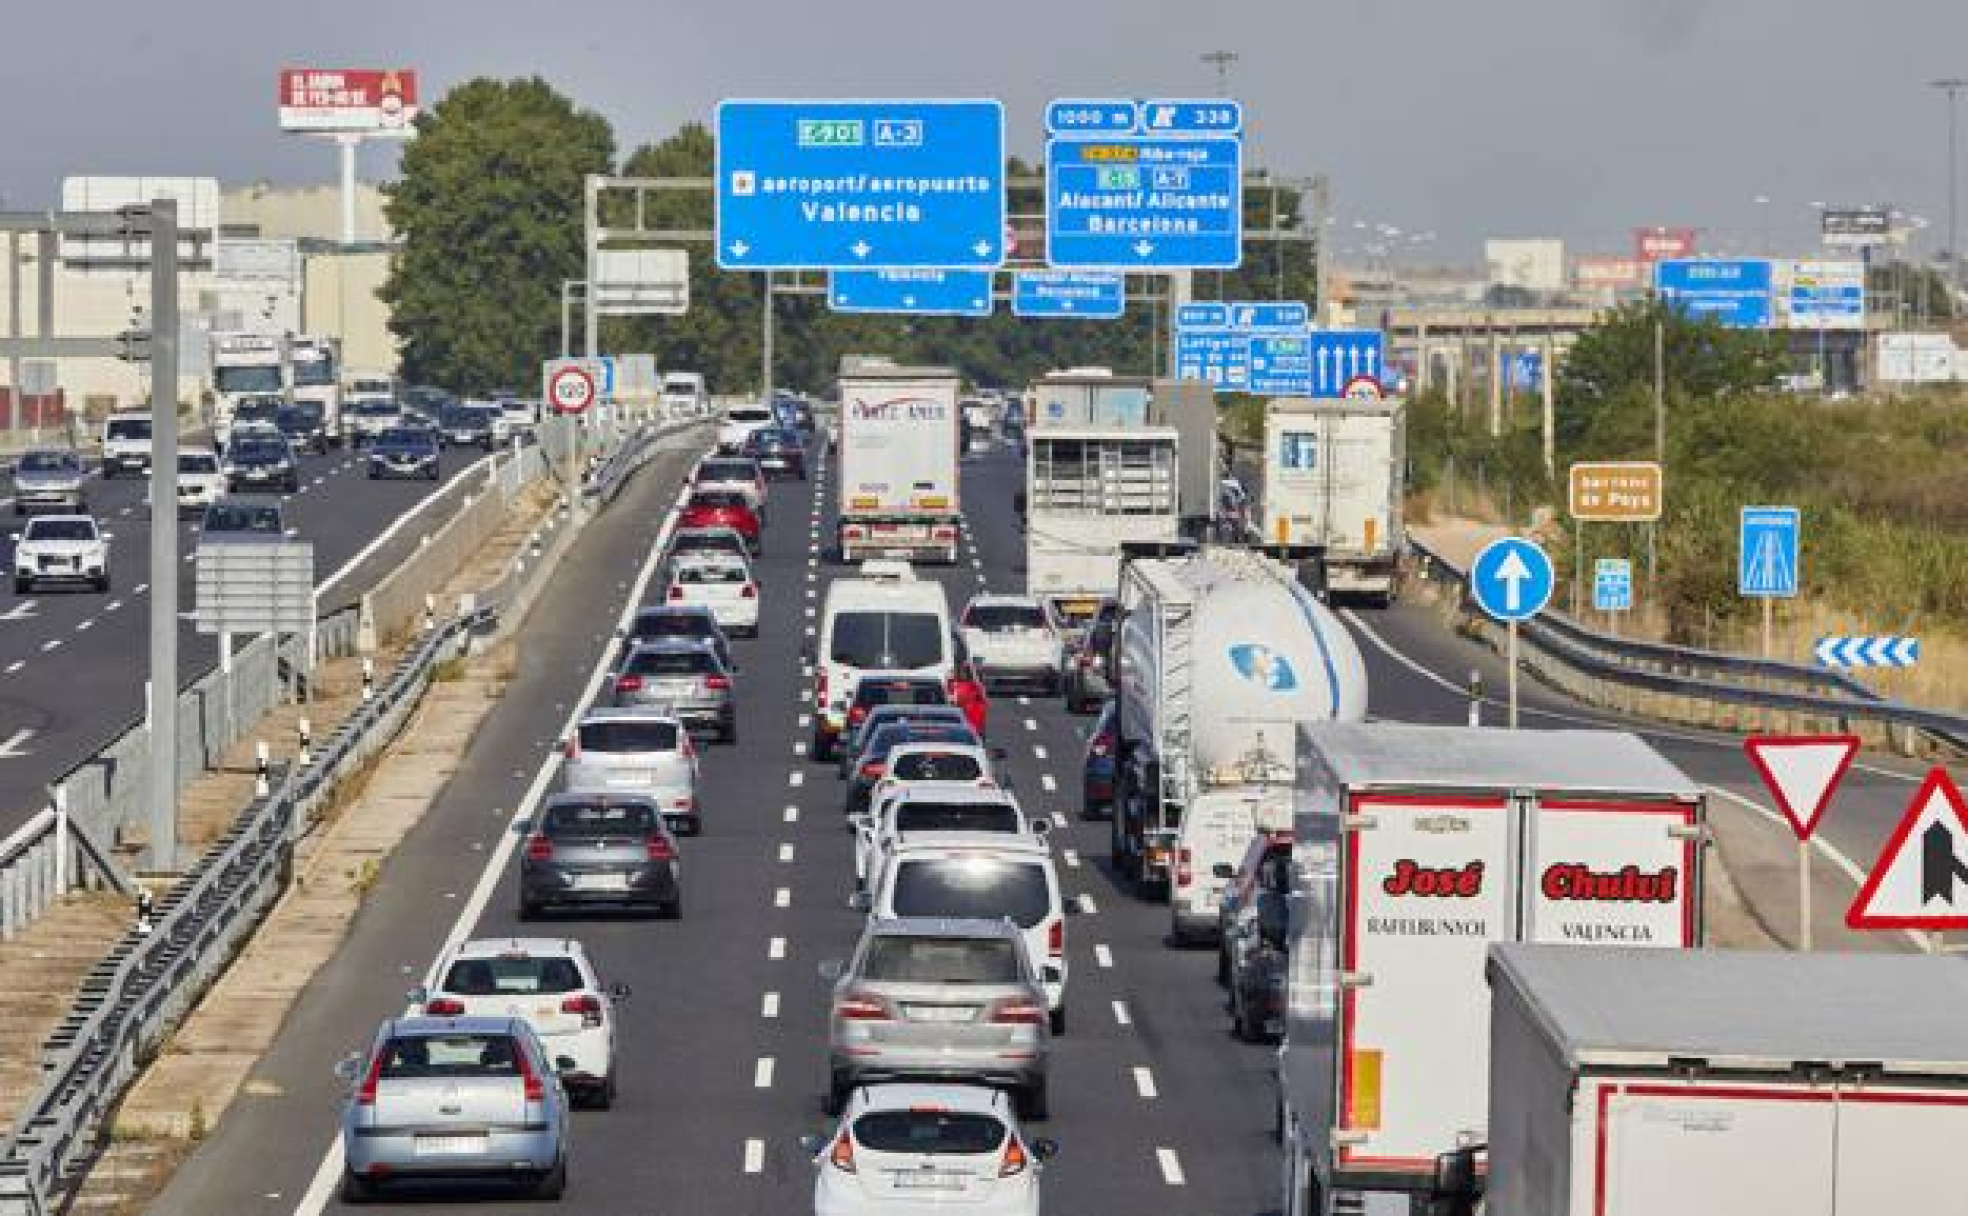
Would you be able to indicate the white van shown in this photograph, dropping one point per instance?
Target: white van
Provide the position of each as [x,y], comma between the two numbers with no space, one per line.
[984,876]
[892,625]
[684,395]
[126,443]
[1216,829]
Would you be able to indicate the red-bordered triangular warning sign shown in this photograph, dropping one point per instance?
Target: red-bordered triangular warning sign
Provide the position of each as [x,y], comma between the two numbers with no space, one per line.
[1921,878]
[1802,772]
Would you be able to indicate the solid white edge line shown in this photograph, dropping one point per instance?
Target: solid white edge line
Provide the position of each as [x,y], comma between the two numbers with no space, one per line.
[349,567]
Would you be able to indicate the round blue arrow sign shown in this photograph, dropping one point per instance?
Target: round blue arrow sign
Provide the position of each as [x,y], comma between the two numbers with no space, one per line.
[1511,579]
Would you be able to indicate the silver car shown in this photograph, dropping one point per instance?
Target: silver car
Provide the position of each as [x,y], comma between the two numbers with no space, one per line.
[49,479]
[453,1098]
[636,751]
[934,998]
[685,678]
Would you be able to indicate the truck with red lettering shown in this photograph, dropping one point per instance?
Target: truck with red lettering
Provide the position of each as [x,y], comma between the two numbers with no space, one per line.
[899,448]
[1415,848]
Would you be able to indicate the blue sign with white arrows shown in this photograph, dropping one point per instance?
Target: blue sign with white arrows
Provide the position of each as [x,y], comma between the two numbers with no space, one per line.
[1867,651]
[1511,579]
[947,293]
[1766,552]
[1338,355]
[850,185]
[1524,371]
[1612,584]
[1165,193]
[1085,295]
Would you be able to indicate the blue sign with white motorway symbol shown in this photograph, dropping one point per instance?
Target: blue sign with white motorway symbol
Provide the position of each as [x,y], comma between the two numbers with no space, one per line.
[1338,355]
[850,185]
[1612,584]
[1270,314]
[949,293]
[1218,357]
[1735,293]
[1511,579]
[1167,193]
[1281,364]
[1767,550]
[1089,295]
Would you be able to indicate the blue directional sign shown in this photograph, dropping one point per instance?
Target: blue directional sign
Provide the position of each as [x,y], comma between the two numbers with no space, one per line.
[1281,364]
[947,293]
[1612,584]
[607,377]
[1089,295]
[1511,579]
[1203,315]
[1269,314]
[1093,116]
[1867,650]
[1736,293]
[1825,295]
[1166,193]
[1338,355]
[1218,357]
[1524,371]
[852,185]
[1766,552]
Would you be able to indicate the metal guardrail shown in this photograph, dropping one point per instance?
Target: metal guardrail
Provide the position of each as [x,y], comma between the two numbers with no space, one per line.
[132,999]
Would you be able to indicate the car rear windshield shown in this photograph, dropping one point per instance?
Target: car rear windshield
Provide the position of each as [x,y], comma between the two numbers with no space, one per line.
[407,437]
[61,529]
[599,819]
[913,816]
[243,519]
[936,766]
[942,960]
[197,462]
[706,542]
[628,736]
[717,498]
[748,414]
[377,409]
[48,462]
[711,574]
[414,1057]
[664,624]
[900,692]
[886,639]
[462,417]
[981,887]
[258,449]
[1003,618]
[129,428]
[929,1131]
[513,973]
[727,470]
[674,663]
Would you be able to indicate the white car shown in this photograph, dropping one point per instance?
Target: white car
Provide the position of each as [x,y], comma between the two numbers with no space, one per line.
[368,417]
[738,423]
[201,482]
[551,984]
[920,1150]
[126,443]
[635,750]
[522,417]
[934,807]
[61,549]
[942,763]
[501,422]
[720,582]
[1012,640]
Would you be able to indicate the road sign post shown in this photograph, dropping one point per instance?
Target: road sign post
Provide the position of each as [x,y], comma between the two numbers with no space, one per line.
[1511,580]
[1612,589]
[570,387]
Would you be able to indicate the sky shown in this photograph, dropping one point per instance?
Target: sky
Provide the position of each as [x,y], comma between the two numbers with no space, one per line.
[1576,119]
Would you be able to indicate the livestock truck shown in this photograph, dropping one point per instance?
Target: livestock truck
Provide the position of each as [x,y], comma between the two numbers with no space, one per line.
[314,364]
[1333,475]
[898,453]
[1220,653]
[1416,848]
[1090,490]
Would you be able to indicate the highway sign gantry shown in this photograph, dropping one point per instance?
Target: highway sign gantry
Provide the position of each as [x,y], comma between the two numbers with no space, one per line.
[1877,650]
[570,386]
[1083,295]
[1767,551]
[853,185]
[950,293]
[1511,579]
[1163,192]
[1921,878]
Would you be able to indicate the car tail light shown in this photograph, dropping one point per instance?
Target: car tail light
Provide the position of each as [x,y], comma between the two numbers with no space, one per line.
[863,1007]
[628,684]
[750,591]
[1056,939]
[659,848]
[572,748]
[717,682]
[841,1156]
[539,848]
[1015,1162]
[943,533]
[1017,1011]
[536,1089]
[1103,745]
[820,687]
[444,1007]
[854,532]
[856,714]
[587,1005]
[873,770]
[1183,874]
[366,1094]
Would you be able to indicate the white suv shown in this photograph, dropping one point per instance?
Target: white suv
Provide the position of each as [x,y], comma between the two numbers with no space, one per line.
[1012,640]
[549,982]
[61,549]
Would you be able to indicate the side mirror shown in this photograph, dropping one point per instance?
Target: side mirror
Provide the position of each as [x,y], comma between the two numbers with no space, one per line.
[1223,869]
[619,992]
[1045,1150]
[813,1143]
[1456,1176]
[349,1067]
[832,970]
[861,901]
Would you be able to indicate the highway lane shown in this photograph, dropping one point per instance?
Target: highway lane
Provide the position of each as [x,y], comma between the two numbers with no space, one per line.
[73,663]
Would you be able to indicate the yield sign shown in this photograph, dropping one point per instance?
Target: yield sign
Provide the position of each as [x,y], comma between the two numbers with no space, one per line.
[1801,772]
[1921,879]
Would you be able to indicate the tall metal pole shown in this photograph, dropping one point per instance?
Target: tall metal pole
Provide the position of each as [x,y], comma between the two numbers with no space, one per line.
[163,537]
[765,344]
[591,211]
[14,331]
[1952,87]
[1181,288]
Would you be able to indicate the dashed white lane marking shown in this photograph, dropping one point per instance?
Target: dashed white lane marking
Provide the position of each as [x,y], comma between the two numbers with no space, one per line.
[51,644]
[112,606]
[1038,751]
[795,778]
[16,665]
[754,1156]
[811,592]
[1059,819]
[786,852]
[126,511]
[805,720]
[811,631]
[1072,857]
[141,588]
[1121,1015]
[1102,956]
[776,949]
[799,749]
[190,558]
[1087,907]
[1031,724]
[792,814]
[769,1007]
[812,611]
[782,898]
[1049,785]
[1171,1166]
[1024,700]
[1144,1083]
[762,1073]
[85,626]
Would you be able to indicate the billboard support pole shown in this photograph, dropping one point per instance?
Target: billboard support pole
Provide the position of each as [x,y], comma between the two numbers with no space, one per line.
[163,225]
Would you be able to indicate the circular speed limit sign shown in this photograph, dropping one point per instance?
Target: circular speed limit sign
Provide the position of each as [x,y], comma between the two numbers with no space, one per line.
[571,390]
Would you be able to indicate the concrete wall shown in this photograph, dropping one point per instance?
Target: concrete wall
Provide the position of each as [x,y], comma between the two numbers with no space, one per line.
[340,298]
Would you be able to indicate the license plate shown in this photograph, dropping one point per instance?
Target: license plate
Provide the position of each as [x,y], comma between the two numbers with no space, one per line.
[938,1013]
[601,882]
[449,1146]
[929,1180]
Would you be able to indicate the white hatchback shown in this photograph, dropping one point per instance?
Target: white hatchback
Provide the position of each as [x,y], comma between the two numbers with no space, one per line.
[919,1150]
[738,423]
[928,806]
[720,582]
[639,751]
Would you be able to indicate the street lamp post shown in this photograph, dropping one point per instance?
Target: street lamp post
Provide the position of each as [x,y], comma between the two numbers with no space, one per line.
[1952,86]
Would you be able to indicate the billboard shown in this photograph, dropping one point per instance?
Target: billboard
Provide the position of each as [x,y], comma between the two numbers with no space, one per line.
[1532,265]
[1603,272]
[1855,227]
[1736,293]
[638,282]
[1821,295]
[257,260]
[1659,244]
[349,101]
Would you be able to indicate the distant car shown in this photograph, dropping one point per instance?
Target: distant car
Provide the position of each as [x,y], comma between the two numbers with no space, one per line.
[50,479]
[201,481]
[740,473]
[721,583]
[1012,641]
[461,426]
[738,422]
[587,849]
[660,622]
[237,519]
[497,422]
[61,549]
[550,982]
[645,752]
[967,692]
[126,443]
[371,417]
[522,417]
[904,1150]
[723,509]
[404,451]
[936,763]
[1087,679]
[1098,769]
[871,765]
[261,461]
[686,541]
[875,689]
[305,424]
[779,452]
[686,678]
[453,1098]
[260,413]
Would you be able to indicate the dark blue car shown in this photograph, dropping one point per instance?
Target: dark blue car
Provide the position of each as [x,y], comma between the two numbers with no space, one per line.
[404,451]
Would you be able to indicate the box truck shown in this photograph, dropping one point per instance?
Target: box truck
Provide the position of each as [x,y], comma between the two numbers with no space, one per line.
[898,455]
[1415,848]
[244,365]
[1718,1083]
[1333,476]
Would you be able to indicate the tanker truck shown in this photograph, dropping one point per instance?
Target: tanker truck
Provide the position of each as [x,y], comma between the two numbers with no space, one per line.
[1219,655]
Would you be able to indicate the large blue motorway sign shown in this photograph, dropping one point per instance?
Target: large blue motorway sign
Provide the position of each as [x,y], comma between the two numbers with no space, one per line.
[1153,184]
[948,293]
[1086,295]
[1218,357]
[852,185]
[1734,292]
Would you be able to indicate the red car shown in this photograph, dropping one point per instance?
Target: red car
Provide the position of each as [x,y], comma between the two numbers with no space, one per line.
[967,693]
[723,509]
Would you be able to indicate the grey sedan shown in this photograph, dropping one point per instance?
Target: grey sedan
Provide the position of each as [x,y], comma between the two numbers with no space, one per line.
[49,479]
[588,849]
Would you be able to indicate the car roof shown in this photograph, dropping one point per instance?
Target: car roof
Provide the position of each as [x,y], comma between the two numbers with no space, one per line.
[941,926]
[963,1099]
[951,791]
[628,713]
[942,747]
[997,600]
[721,531]
[406,1026]
[498,947]
[597,798]
[673,644]
[881,595]
[652,611]
[58,519]
[1006,846]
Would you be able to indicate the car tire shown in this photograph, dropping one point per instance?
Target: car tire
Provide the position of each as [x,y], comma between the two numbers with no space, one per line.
[433,475]
[603,1097]
[1222,967]
[1246,1028]
[728,731]
[356,1189]
[673,910]
[1033,1104]
[820,748]
[374,475]
[552,1184]
[1057,1021]
[23,585]
[102,584]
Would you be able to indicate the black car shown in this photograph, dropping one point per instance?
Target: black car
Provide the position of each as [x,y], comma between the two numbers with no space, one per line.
[779,452]
[661,622]
[589,849]
[261,460]
[465,425]
[404,451]
[232,519]
[305,424]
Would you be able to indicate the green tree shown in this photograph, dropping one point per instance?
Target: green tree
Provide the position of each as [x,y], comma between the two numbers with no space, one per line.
[488,209]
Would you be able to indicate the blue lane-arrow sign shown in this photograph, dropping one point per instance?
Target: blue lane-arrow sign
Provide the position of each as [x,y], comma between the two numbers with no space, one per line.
[1612,585]
[1338,355]
[945,293]
[1886,650]
[1511,579]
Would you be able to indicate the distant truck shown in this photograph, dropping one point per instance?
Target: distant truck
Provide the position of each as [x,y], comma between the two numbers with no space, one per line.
[1219,654]
[683,394]
[1715,1083]
[315,374]
[245,365]
[1415,848]
[1333,477]
[898,455]
[1089,491]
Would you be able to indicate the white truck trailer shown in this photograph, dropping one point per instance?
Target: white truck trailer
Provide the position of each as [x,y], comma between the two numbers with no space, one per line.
[1088,492]
[1219,655]
[314,374]
[1333,477]
[898,453]
[1415,849]
[1719,1083]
